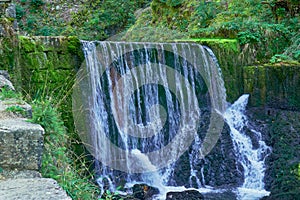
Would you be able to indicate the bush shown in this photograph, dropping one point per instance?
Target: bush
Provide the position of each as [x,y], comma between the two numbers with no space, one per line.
[36,3]
[20,12]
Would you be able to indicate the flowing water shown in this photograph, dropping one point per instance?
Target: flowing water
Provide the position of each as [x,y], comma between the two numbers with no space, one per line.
[252,158]
[146,108]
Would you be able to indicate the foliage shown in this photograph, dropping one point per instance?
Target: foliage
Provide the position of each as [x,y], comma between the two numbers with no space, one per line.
[293,51]
[277,58]
[284,165]
[89,20]
[16,109]
[6,93]
[58,159]
[253,22]
[36,3]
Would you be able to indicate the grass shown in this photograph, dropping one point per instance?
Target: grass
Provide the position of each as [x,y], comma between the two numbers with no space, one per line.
[6,93]
[59,162]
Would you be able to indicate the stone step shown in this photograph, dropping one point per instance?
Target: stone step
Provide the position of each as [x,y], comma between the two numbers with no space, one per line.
[31,189]
[21,144]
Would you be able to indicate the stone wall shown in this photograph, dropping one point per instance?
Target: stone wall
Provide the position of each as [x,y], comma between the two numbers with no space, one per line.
[8,23]
[48,63]
[43,66]
[276,86]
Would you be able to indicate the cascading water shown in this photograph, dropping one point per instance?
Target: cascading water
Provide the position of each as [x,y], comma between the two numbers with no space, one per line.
[251,158]
[148,108]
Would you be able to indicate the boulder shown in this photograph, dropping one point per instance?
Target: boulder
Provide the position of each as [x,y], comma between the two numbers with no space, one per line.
[4,82]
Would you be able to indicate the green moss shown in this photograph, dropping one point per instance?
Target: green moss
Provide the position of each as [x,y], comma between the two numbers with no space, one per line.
[27,44]
[228,44]
[74,47]
[274,85]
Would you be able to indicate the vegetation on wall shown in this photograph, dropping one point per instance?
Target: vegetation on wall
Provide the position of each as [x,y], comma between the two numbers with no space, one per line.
[90,20]
[269,27]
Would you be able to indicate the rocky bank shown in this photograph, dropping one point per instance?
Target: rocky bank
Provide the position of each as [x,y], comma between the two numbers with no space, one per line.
[21,148]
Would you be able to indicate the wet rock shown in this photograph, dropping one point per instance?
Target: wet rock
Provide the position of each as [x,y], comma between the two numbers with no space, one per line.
[144,192]
[221,166]
[226,195]
[185,195]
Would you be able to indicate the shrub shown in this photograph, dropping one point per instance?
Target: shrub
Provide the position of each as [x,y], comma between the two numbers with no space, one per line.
[36,3]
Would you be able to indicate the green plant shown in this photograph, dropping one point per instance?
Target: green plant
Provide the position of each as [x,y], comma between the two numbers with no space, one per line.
[16,109]
[277,58]
[59,162]
[108,195]
[6,93]
[20,11]
[249,37]
[37,3]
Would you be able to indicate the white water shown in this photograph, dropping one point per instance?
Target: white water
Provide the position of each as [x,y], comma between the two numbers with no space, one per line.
[131,119]
[251,159]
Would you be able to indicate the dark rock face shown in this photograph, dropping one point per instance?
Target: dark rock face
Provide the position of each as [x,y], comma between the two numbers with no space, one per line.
[185,195]
[221,165]
[226,195]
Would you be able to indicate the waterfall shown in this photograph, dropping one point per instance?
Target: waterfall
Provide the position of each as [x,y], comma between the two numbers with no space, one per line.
[252,158]
[151,112]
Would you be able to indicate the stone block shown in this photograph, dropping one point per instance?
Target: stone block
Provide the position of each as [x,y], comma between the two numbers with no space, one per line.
[21,144]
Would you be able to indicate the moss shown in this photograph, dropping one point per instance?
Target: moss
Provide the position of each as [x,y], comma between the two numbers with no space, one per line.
[276,86]
[74,47]
[228,44]
[27,44]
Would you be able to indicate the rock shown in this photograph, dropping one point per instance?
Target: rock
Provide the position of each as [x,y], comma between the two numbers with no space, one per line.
[185,195]
[226,194]
[5,74]
[22,109]
[16,174]
[31,188]
[5,82]
[144,192]
[21,144]
[10,11]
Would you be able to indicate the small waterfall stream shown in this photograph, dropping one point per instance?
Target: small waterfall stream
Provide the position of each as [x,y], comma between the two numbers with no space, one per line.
[252,158]
[151,112]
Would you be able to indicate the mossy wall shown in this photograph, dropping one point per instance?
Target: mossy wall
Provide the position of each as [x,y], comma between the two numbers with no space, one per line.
[48,67]
[43,66]
[276,86]
[48,63]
